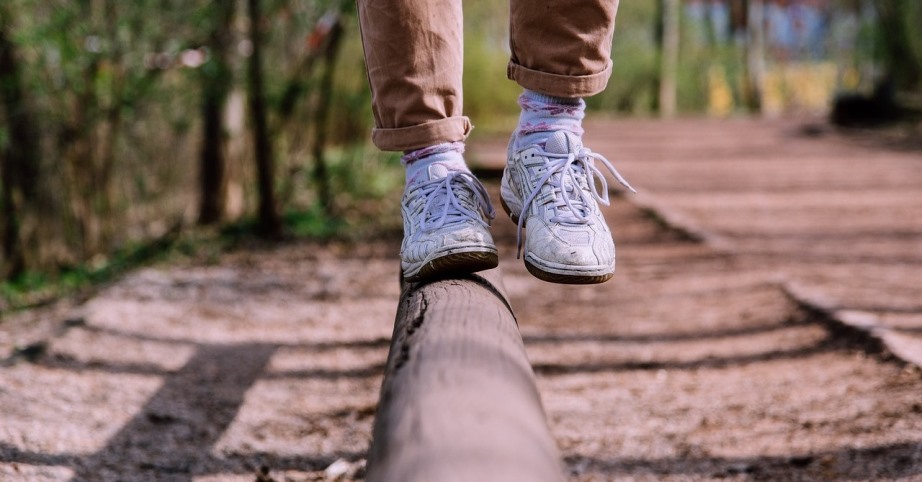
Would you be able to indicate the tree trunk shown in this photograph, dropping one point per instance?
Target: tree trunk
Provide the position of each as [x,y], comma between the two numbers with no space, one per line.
[78,145]
[321,120]
[13,257]
[216,83]
[669,56]
[269,222]
[20,159]
[755,54]
[108,130]
[901,41]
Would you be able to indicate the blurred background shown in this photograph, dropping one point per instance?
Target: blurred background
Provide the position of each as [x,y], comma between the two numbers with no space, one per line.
[133,129]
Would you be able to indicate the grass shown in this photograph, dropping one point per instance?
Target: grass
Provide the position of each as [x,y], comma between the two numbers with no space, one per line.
[32,289]
[200,245]
[366,185]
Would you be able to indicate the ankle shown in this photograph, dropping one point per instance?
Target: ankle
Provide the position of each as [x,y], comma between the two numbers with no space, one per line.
[448,154]
[544,114]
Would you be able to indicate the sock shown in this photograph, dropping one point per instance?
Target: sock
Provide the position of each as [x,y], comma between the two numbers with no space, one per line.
[543,114]
[448,154]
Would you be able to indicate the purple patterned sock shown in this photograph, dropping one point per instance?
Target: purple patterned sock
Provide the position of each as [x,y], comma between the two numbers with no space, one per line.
[417,162]
[543,114]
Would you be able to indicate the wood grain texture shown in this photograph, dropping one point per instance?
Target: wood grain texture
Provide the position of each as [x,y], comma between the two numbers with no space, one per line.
[459,401]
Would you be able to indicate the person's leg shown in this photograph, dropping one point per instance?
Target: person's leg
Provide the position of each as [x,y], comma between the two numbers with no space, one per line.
[560,54]
[562,48]
[413,54]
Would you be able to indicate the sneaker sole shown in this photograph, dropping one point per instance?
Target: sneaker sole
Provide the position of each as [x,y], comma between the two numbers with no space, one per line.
[567,279]
[552,277]
[455,264]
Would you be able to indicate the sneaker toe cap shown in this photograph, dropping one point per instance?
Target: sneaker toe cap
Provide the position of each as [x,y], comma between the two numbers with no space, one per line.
[469,236]
[581,247]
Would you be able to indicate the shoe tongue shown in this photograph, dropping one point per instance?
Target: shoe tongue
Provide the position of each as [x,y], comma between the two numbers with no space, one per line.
[437,170]
[562,142]
[565,142]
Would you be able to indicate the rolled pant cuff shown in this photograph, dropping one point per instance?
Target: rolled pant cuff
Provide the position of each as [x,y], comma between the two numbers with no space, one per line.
[451,129]
[559,85]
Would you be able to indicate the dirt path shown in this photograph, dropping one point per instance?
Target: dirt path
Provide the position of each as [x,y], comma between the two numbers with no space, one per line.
[693,364]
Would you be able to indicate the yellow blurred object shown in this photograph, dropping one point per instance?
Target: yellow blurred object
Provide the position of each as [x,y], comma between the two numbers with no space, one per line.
[798,87]
[810,86]
[773,92]
[720,96]
[851,79]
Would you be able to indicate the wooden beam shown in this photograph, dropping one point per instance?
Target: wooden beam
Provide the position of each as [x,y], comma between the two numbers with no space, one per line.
[459,400]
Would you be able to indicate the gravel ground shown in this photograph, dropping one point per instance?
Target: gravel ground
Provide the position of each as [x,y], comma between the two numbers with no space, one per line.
[694,363]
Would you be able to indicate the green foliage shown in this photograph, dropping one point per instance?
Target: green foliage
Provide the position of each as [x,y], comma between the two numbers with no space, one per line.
[695,61]
[366,184]
[117,90]
[360,171]
[489,98]
[351,120]
[34,287]
[635,71]
[313,223]
[899,41]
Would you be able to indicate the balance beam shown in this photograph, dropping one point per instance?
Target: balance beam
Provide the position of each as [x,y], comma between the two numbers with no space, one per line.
[459,401]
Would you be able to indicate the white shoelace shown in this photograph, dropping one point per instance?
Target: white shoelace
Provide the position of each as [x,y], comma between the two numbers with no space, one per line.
[566,171]
[458,196]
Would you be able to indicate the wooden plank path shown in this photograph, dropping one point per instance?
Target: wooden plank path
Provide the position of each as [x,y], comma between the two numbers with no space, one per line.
[692,364]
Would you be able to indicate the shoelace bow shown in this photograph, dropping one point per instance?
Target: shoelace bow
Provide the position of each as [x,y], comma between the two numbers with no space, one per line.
[455,206]
[564,173]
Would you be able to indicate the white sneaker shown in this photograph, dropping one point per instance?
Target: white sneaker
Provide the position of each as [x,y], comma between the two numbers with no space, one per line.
[552,194]
[446,220]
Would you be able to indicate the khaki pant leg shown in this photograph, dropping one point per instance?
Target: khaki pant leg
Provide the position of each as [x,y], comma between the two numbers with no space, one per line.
[414,59]
[562,47]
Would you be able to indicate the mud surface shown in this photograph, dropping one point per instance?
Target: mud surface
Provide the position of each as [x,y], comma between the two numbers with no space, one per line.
[694,363]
